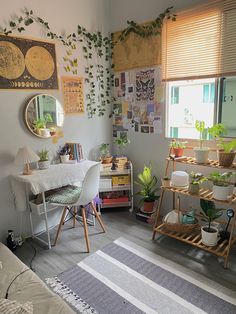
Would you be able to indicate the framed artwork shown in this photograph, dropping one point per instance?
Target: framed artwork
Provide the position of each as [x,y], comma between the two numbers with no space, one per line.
[27,64]
[73,94]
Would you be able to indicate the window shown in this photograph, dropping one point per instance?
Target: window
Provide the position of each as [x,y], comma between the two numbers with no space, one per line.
[198,53]
[195,102]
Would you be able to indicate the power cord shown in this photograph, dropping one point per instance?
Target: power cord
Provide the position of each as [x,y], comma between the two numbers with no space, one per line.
[7,291]
[33,257]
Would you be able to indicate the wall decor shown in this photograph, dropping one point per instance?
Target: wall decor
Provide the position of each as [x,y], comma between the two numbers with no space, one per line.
[73,94]
[145,85]
[27,64]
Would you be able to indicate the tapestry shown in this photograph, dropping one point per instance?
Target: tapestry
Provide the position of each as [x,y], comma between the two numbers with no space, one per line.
[73,94]
[27,64]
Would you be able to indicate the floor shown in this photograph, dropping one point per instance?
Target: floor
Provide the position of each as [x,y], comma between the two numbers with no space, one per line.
[120,223]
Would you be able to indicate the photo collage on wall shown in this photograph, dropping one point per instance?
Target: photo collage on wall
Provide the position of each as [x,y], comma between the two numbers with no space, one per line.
[138,101]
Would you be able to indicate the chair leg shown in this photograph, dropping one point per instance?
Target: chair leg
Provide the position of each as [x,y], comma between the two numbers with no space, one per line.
[60,225]
[98,216]
[85,229]
[74,217]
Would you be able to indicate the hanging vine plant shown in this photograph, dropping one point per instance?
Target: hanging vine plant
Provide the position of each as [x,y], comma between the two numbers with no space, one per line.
[96,51]
[148,29]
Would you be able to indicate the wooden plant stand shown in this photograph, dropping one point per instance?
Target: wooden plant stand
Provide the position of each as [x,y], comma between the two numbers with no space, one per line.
[223,248]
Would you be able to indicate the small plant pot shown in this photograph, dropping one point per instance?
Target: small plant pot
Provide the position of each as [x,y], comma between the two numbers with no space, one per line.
[44,164]
[106,160]
[148,207]
[193,188]
[44,132]
[178,152]
[201,155]
[226,159]
[64,158]
[209,238]
[221,192]
[165,183]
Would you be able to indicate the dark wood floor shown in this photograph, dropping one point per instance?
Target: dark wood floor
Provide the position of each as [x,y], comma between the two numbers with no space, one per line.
[120,223]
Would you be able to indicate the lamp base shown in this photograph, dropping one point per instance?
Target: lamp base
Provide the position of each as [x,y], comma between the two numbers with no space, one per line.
[27,170]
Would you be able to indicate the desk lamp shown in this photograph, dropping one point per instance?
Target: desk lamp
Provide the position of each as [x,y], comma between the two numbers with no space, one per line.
[25,156]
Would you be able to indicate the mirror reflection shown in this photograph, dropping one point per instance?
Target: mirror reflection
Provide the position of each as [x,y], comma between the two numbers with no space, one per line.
[44,115]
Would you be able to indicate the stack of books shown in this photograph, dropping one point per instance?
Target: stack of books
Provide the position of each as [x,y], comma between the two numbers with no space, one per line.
[76,151]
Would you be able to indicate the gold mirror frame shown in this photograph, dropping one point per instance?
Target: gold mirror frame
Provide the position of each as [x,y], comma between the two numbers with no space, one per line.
[44,115]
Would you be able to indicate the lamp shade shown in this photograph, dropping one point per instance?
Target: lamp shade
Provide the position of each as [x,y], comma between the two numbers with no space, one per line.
[26,155]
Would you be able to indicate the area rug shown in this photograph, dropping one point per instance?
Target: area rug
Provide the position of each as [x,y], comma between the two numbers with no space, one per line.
[125,278]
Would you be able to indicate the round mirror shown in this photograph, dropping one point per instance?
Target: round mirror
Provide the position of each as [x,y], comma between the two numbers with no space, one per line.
[44,115]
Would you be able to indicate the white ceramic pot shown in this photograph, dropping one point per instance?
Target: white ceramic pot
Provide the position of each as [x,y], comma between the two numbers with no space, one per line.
[64,158]
[44,132]
[201,155]
[209,238]
[44,164]
[221,192]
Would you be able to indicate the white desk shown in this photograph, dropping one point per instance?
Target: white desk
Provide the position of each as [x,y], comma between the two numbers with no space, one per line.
[41,181]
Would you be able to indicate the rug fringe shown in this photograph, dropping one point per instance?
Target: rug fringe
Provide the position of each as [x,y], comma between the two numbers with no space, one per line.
[66,293]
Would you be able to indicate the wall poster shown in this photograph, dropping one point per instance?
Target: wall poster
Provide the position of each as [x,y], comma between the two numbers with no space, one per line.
[27,64]
[73,94]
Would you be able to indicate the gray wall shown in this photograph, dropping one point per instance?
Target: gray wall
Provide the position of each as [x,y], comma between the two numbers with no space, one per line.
[62,16]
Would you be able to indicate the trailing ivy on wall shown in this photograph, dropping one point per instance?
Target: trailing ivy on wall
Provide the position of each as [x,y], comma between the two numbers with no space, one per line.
[148,29]
[96,51]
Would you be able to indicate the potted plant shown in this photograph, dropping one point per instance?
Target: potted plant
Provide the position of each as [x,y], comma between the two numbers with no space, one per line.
[221,184]
[165,181]
[105,156]
[178,147]
[195,179]
[43,162]
[201,152]
[209,214]
[64,153]
[40,125]
[226,153]
[148,184]
[121,143]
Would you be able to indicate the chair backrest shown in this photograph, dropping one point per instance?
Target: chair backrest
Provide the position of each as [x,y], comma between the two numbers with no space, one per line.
[90,186]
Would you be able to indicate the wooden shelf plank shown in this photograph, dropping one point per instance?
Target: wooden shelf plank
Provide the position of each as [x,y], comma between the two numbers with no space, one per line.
[219,250]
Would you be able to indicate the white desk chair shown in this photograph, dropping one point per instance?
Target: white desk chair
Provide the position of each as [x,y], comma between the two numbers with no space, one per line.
[72,197]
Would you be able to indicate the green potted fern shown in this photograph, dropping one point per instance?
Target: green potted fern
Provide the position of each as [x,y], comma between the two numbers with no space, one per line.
[226,152]
[148,188]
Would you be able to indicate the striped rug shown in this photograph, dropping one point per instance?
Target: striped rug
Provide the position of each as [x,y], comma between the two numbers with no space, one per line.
[125,278]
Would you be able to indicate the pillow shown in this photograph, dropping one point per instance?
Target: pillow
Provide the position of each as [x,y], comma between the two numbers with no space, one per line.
[13,307]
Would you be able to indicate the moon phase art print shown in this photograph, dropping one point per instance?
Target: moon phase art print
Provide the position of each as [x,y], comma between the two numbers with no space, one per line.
[27,64]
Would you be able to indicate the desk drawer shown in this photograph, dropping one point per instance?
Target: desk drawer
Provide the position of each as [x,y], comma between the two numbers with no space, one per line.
[38,208]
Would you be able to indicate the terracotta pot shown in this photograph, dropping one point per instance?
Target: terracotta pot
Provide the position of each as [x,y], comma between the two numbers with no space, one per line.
[178,152]
[148,206]
[226,159]
[106,160]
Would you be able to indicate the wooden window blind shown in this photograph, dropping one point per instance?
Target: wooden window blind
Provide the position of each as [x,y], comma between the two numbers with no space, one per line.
[201,43]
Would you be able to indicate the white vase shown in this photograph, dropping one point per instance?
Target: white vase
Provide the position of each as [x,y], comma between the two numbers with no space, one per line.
[209,238]
[221,192]
[201,155]
[64,158]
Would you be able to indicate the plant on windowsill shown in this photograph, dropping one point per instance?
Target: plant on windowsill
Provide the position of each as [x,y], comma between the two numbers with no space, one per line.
[148,188]
[226,153]
[209,214]
[195,180]
[178,147]
[201,152]
[221,184]
[44,161]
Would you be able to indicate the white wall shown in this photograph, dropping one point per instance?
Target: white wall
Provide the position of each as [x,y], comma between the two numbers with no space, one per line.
[148,147]
[62,16]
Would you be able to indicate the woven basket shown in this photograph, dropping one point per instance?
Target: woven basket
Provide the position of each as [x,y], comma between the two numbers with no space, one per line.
[180,227]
